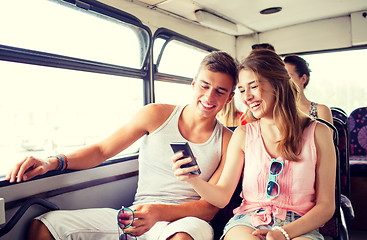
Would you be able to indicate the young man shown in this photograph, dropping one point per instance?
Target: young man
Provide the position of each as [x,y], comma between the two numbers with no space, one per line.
[164,207]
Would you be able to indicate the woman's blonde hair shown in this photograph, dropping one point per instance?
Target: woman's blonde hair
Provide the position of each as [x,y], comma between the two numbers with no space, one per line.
[229,115]
[288,118]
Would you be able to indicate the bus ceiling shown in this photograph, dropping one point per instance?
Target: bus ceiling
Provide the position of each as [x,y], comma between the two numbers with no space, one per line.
[252,22]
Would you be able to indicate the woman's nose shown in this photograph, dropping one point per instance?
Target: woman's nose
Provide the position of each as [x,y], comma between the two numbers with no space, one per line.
[248,95]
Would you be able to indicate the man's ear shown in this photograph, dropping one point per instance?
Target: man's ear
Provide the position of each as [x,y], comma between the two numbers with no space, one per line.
[230,97]
[193,82]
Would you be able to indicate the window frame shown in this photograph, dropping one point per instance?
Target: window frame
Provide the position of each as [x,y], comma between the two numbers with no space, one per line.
[168,36]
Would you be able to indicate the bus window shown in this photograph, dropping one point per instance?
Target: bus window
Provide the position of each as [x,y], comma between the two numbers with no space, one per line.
[338,79]
[173,93]
[180,59]
[174,62]
[68,77]
[46,111]
[42,25]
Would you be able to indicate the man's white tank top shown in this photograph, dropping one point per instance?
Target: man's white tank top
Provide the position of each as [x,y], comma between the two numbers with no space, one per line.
[157,183]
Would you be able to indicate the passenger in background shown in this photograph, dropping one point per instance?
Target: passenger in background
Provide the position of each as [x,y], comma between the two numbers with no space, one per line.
[263,46]
[165,208]
[286,158]
[299,71]
[230,116]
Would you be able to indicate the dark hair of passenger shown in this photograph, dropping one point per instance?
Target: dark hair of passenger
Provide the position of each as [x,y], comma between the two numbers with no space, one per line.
[301,66]
[268,65]
[263,46]
[222,62]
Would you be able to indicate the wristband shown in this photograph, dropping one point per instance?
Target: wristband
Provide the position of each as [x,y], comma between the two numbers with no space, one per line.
[60,165]
[282,231]
[63,162]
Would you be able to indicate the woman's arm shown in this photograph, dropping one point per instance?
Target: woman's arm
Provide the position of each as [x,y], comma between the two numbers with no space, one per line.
[324,187]
[149,214]
[217,194]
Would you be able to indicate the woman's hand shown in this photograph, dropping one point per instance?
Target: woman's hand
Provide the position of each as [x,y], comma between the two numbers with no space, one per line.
[27,169]
[183,174]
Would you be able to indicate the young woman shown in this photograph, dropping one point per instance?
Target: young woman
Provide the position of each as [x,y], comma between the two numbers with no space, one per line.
[300,73]
[286,158]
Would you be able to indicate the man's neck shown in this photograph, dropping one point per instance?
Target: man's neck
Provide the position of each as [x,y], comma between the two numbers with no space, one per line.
[195,128]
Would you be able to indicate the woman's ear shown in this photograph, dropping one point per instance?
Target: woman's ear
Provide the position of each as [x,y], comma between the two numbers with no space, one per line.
[303,80]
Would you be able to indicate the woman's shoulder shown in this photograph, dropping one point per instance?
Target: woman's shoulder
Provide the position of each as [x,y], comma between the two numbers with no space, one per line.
[322,107]
[324,112]
[321,130]
[247,128]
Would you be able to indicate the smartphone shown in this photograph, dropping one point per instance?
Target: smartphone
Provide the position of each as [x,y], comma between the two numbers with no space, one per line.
[185,147]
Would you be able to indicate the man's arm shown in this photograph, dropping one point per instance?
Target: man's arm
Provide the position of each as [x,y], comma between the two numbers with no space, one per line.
[145,120]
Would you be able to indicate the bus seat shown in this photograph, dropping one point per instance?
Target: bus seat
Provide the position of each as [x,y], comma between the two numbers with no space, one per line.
[343,146]
[339,113]
[357,125]
[336,227]
[21,211]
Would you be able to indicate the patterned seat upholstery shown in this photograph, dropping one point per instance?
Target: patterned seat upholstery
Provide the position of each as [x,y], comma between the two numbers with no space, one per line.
[357,125]
[339,114]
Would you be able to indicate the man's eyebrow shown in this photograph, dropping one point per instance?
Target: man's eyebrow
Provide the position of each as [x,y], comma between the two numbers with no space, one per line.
[222,88]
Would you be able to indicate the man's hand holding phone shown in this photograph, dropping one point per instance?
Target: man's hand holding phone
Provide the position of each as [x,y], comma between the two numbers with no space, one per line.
[183,149]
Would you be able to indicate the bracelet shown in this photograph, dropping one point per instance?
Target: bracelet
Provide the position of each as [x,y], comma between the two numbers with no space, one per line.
[60,165]
[282,231]
[63,162]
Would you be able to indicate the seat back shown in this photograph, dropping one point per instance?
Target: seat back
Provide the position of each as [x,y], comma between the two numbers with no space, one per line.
[339,113]
[343,148]
[334,227]
[357,126]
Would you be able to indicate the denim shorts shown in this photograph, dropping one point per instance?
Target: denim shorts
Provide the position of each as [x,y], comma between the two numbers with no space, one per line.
[245,220]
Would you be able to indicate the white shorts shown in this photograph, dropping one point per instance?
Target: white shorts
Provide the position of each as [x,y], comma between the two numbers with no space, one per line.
[101,224]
